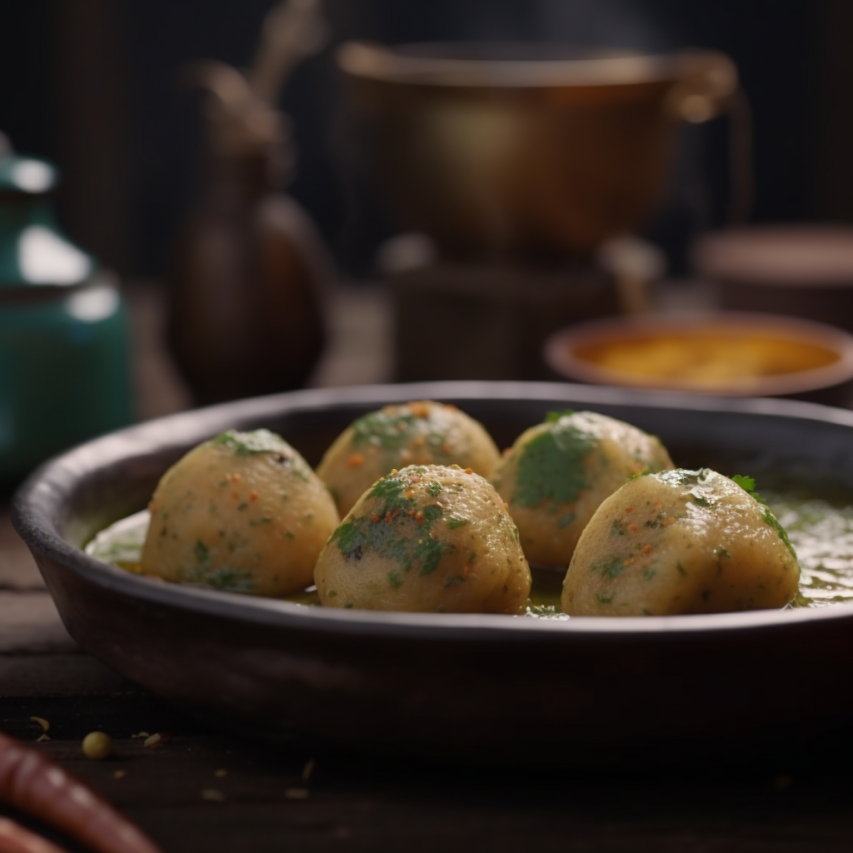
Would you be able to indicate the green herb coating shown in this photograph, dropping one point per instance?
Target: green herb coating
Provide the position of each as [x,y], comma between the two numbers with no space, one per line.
[418,549]
[550,467]
[249,443]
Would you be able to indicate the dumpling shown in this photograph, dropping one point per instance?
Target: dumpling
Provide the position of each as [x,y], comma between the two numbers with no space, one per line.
[557,473]
[681,542]
[419,433]
[242,512]
[430,539]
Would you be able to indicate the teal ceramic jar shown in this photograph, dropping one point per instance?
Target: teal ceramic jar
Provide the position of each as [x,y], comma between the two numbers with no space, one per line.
[64,347]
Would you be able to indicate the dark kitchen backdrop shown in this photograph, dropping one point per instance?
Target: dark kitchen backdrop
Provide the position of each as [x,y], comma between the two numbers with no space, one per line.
[95,86]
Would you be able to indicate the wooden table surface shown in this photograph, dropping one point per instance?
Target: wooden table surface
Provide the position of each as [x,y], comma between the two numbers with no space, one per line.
[209,791]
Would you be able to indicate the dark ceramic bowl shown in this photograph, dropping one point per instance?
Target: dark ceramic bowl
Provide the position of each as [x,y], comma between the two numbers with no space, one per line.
[694,688]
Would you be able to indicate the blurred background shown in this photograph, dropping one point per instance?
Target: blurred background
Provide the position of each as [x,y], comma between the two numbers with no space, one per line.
[101,89]
[95,86]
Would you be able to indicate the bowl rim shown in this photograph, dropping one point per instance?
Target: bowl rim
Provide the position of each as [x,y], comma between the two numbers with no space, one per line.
[559,351]
[711,256]
[39,505]
[411,64]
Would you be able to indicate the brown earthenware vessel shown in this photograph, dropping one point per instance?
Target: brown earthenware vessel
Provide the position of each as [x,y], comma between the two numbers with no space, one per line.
[692,689]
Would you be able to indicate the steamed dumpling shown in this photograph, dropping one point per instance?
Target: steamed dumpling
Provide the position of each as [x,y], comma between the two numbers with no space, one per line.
[242,512]
[429,539]
[680,542]
[557,473]
[419,433]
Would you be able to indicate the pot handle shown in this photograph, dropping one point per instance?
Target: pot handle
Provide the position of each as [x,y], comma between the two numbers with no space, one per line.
[707,82]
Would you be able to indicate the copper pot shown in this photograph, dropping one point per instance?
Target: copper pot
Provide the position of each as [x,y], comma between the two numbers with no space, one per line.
[517,150]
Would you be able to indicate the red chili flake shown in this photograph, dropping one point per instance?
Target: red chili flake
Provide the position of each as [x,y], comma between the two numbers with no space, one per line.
[410,512]
[419,517]
[633,527]
[253,495]
[391,515]
[469,470]
[629,509]
[374,517]
[355,460]
[647,549]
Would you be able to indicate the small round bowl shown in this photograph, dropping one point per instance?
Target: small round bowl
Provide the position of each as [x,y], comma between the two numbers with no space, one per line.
[723,353]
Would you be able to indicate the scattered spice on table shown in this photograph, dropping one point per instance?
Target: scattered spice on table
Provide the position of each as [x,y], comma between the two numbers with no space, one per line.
[97,745]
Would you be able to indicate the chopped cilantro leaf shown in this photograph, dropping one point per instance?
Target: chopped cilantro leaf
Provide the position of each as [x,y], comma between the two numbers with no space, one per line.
[642,473]
[390,490]
[771,519]
[432,513]
[201,551]
[553,417]
[429,553]
[610,569]
[248,443]
[390,532]
[349,538]
[394,429]
[550,466]
[235,580]
[748,485]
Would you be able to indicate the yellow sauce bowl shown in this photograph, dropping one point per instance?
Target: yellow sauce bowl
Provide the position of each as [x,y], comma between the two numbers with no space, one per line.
[725,353]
